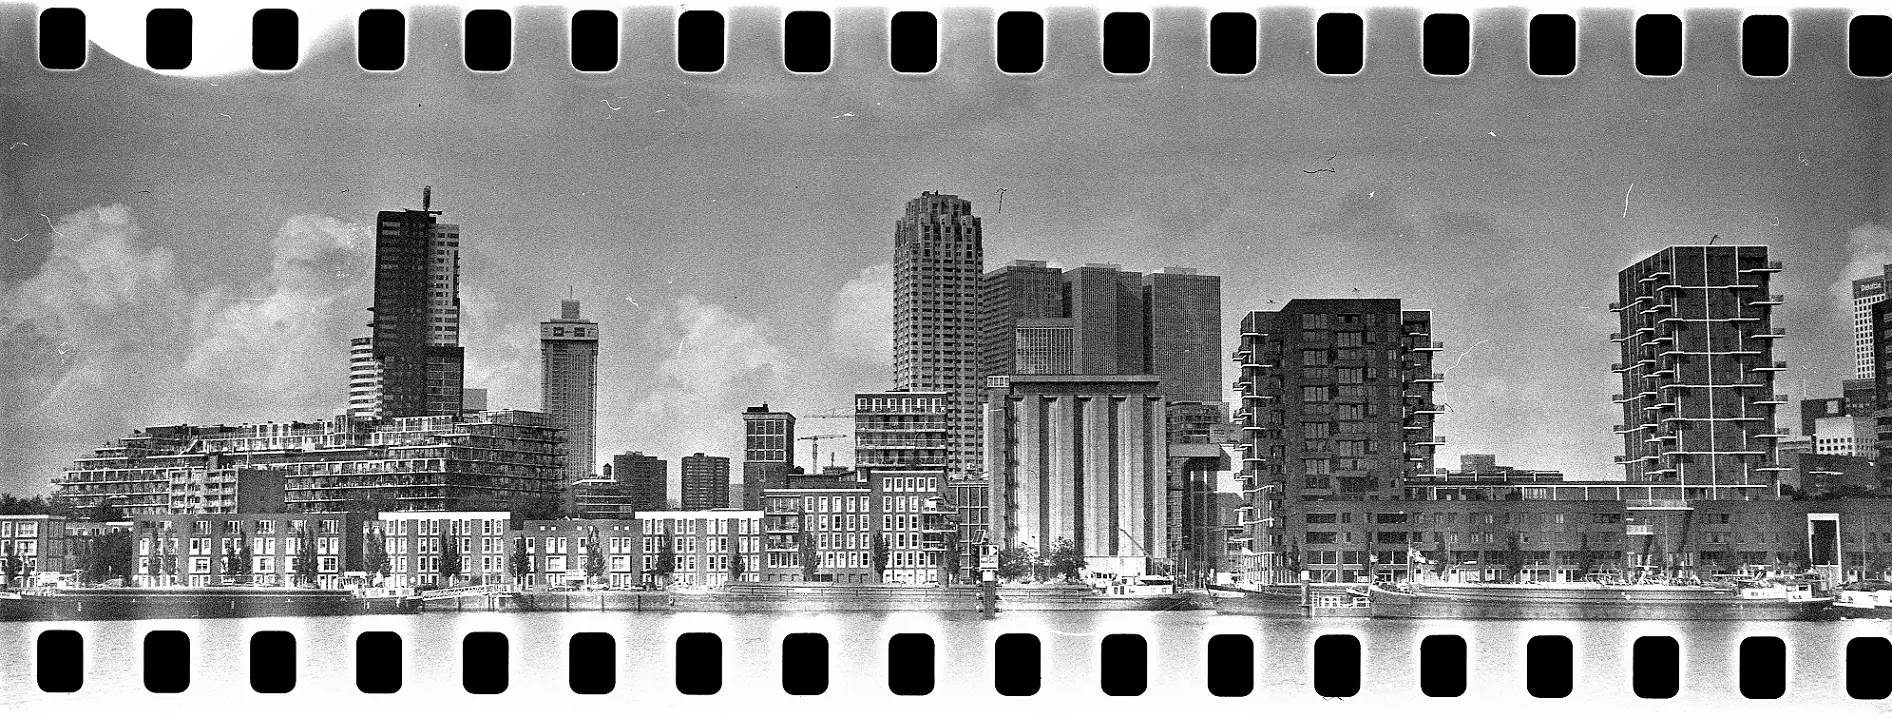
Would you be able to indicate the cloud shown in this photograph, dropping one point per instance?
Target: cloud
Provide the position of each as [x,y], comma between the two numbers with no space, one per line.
[1870,250]
[114,333]
[861,326]
[714,363]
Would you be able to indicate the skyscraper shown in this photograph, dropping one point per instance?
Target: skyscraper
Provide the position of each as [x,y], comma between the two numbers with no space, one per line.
[1106,308]
[644,480]
[768,440]
[568,384]
[1336,405]
[705,482]
[1697,345]
[1025,293]
[939,259]
[1866,292]
[1183,311]
[416,339]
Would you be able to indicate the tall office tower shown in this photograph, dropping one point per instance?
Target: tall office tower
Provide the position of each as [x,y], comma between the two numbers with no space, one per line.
[364,380]
[1866,292]
[900,430]
[644,480]
[768,443]
[1106,308]
[568,384]
[1080,458]
[416,338]
[1882,384]
[1183,311]
[1019,304]
[1337,404]
[938,260]
[705,482]
[1697,347]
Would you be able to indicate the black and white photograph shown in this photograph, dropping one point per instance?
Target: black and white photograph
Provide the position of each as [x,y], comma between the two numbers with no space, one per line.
[843,360]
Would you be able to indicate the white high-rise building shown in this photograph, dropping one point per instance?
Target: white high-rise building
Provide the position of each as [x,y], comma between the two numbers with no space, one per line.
[364,380]
[444,279]
[1866,292]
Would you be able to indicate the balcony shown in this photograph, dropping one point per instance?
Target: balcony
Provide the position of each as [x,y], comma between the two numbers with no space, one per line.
[1257,364]
[1426,409]
[1762,267]
[1773,432]
[1772,467]
[1616,306]
[1430,441]
[1769,333]
[1768,301]
[1427,378]
[1775,399]
[1658,307]
[1625,429]
[1428,346]
[1770,366]
[1618,368]
[1250,334]
[1619,398]
[1616,337]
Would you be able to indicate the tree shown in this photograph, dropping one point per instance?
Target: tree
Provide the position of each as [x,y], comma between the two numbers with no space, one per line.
[880,557]
[809,559]
[305,555]
[1586,559]
[736,567]
[374,553]
[1066,560]
[1014,562]
[230,561]
[1294,559]
[246,558]
[518,561]
[666,556]
[594,554]
[449,555]
[105,511]
[11,564]
[156,557]
[949,561]
[1514,557]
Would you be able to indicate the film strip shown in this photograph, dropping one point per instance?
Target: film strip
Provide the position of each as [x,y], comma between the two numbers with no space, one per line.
[566,655]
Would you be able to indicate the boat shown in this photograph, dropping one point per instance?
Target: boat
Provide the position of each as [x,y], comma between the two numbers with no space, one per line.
[1752,600]
[1293,600]
[54,604]
[1864,599]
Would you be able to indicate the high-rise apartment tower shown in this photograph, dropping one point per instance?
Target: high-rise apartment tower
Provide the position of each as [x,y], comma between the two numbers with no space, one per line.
[938,261]
[568,385]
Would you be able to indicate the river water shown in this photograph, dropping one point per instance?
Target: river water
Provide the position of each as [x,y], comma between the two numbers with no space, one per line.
[858,665]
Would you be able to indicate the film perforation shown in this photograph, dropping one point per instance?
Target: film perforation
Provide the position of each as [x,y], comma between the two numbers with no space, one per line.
[700,41]
[910,664]
[274,39]
[1659,45]
[272,662]
[381,40]
[699,664]
[378,662]
[591,666]
[1230,665]
[168,38]
[487,40]
[1233,43]
[1340,43]
[1867,37]
[1446,44]
[1552,42]
[1549,665]
[804,664]
[1126,39]
[1866,660]
[1656,667]
[1442,666]
[913,42]
[1766,45]
[1123,664]
[1763,663]
[60,658]
[807,41]
[1336,665]
[486,665]
[62,43]
[167,661]
[1017,668]
[594,40]
[1019,42]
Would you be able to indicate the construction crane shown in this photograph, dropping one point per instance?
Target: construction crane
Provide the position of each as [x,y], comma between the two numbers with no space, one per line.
[814,448]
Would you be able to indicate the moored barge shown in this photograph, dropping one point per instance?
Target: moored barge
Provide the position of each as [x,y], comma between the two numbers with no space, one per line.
[1745,601]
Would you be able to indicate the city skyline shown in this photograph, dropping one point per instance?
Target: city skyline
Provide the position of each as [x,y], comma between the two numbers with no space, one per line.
[231,288]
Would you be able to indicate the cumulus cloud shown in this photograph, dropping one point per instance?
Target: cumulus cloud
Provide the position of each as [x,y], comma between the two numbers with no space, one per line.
[714,362]
[861,325]
[113,332]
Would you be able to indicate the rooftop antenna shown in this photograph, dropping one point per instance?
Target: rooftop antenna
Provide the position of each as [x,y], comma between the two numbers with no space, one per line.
[427,200]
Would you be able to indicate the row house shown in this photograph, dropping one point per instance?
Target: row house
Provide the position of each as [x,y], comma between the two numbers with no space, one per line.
[207,549]
[836,519]
[705,545]
[416,543]
[38,541]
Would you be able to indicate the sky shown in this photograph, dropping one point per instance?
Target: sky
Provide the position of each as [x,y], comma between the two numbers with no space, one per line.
[196,248]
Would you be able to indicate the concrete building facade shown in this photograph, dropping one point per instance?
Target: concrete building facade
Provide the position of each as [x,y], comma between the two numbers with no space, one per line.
[1080,458]
[416,339]
[768,445]
[645,480]
[705,482]
[568,385]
